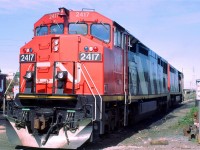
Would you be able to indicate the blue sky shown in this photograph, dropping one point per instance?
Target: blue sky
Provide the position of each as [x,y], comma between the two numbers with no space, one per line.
[169,27]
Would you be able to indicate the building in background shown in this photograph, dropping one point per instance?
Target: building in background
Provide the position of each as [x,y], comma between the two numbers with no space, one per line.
[2,87]
[12,84]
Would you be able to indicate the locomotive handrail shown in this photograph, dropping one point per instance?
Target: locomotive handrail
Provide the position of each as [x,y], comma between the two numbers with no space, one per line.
[125,92]
[88,9]
[86,79]
[96,90]
[93,92]
[130,97]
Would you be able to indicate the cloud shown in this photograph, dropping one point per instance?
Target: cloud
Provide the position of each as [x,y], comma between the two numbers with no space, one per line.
[10,6]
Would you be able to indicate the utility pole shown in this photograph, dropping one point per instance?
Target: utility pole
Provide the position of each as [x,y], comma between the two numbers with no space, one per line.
[193,80]
[198,99]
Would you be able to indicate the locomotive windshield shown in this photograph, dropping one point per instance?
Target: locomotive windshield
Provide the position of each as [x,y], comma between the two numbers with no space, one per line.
[41,30]
[78,28]
[54,29]
[101,31]
[57,29]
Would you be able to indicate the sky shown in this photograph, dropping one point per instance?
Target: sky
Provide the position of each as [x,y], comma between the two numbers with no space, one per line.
[171,28]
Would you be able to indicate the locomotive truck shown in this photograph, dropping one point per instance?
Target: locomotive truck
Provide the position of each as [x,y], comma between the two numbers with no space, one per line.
[83,74]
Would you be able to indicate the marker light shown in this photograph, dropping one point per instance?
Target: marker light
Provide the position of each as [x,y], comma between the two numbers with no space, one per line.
[95,48]
[27,50]
[30,50]
[90,49]
[86,48]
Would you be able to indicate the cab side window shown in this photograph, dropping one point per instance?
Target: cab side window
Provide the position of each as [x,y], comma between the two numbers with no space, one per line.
[117,38]
[101,32]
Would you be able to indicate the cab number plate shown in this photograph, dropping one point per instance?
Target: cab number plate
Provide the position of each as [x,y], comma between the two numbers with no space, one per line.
[90,56]
[27,57]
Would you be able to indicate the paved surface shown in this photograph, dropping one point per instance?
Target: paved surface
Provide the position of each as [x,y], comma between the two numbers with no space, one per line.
[4,142]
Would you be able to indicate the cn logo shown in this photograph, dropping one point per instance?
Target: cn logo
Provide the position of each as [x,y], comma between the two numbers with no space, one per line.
[70,77]
[62,68]
[1,86]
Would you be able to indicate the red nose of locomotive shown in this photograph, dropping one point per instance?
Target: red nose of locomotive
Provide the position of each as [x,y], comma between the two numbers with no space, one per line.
[52,64]
[66,45]
[59,79]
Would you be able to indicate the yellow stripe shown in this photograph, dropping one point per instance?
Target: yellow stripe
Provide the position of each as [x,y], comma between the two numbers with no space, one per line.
[133,97]
[113,98]
[46,97]
[105,97]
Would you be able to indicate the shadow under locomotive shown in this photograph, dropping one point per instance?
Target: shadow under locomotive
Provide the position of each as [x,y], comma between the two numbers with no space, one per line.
[121,134]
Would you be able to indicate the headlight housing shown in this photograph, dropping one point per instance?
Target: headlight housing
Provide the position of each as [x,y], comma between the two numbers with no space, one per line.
[56,42]
[61,75]
[29,75]
[55,48]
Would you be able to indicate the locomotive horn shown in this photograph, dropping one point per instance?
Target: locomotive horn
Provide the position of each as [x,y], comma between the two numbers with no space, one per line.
[63,12]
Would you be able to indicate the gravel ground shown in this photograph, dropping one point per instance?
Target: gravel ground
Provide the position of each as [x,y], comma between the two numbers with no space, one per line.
[4,143]
[164,129]
[137,137]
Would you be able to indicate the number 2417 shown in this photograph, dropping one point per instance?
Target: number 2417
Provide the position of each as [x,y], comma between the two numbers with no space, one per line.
[82,14]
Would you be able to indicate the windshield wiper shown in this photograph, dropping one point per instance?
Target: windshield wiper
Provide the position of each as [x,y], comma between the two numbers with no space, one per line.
[59,26]
[104,25]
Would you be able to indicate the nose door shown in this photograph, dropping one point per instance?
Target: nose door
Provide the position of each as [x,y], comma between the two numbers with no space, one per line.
[132,78]
[44,77]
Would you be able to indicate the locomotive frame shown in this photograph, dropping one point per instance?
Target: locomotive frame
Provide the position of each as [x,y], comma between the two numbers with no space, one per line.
[83,74]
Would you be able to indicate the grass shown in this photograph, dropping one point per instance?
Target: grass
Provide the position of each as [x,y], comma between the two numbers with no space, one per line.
[188,118]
